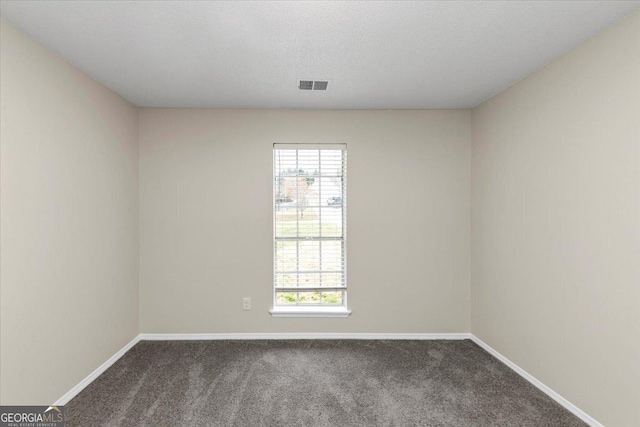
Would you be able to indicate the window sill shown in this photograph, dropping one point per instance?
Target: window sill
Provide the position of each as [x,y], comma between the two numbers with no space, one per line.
[310,312]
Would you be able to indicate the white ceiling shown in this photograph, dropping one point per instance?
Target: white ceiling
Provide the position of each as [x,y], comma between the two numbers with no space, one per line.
[378,55]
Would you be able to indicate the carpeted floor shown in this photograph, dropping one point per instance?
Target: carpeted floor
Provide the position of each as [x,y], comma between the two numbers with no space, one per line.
[312,383]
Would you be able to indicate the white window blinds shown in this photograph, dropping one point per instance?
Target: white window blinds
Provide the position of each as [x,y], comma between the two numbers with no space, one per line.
[310,224]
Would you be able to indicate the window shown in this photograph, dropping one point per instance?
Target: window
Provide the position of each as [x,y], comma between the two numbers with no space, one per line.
[309,188]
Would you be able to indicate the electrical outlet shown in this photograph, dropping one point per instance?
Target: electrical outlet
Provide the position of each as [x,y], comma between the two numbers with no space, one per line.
[246,303]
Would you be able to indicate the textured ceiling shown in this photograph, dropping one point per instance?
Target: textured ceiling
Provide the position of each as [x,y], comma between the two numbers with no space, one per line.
[383,55]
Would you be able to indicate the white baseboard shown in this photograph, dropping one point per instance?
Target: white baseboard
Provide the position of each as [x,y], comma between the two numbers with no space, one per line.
[305,336]
[328,336]
[542,387]
[95,374]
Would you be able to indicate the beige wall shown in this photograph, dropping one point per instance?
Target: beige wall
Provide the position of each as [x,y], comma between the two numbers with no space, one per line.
[69,221]
[206,218]
[556,225]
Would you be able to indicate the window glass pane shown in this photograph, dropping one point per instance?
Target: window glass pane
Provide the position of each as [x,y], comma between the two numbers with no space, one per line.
[286,280]
[308,161]
[286,259]
[285,298]
[332,255]
[308,222]
[286,225]
[331,221]
[316,297]
[309,202]
[285,160]
[308,297]
[331,279]
[332,297]
[309,280]
[309,255]
[329,188]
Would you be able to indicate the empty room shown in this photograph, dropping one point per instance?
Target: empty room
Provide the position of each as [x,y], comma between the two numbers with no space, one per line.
[319,213]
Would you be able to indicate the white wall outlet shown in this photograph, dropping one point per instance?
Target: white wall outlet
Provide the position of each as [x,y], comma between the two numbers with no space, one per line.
[246,303]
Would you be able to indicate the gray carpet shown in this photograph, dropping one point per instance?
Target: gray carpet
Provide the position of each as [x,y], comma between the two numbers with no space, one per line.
[312,383]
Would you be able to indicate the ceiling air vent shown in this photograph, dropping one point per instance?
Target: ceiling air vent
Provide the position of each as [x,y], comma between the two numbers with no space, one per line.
[313,84]
[306,85]
[320,85]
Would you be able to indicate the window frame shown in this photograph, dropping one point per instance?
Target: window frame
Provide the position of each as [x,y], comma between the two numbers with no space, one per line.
[310,310]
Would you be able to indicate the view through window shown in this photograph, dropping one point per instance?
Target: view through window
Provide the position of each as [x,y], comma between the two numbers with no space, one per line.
[310,224]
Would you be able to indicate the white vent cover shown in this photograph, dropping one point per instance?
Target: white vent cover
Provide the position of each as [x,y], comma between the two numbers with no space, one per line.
[313,84]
